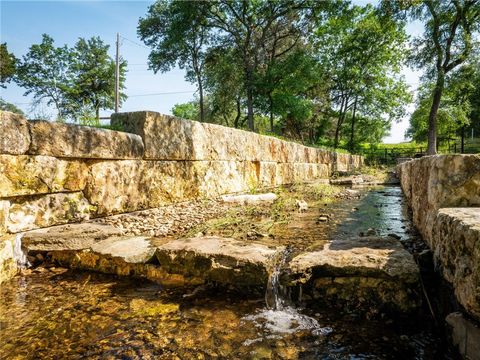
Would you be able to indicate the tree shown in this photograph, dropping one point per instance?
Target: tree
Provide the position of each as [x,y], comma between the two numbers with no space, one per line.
[44,72]
[363,53]
[8,63]
[259,31]
[78,81]
[445,45]
[6,106]
[177,34]
[92,73]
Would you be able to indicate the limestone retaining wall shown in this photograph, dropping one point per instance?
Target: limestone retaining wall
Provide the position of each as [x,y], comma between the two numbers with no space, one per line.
[444,194]
[53,173]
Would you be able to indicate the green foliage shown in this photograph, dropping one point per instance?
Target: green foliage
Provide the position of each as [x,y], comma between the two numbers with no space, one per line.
[78,81]
[8,64]
[6,106]
[188,110]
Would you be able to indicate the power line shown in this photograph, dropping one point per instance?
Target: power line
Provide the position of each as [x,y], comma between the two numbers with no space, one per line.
[134,42]
[164,93]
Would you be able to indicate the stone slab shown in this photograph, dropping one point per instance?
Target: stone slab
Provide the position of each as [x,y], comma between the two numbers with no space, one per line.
[223,260]
[375,270]
[456,249]
[68,237]
[465,335]
[75,141]
[31,175]
[14,135]
[135,250]
[28,213]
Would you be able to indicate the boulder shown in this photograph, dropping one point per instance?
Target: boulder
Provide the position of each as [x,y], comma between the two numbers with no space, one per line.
[373,270]
[31,175]
[14,137]
[222,260]
[75,141]
[28,213]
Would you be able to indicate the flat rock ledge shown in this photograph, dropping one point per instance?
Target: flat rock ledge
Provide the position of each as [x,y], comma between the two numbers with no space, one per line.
[365,272]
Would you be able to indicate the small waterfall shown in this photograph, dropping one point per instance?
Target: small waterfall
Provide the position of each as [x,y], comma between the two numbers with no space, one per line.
[275,295]
[280,316]
[18,254]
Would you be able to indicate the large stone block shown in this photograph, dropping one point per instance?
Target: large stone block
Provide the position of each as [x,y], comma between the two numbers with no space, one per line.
[74,141]
[456,246]
[433,182]
[171,138]
[28,213]
[465,335]
[130,185]
[30,175]
[14,134]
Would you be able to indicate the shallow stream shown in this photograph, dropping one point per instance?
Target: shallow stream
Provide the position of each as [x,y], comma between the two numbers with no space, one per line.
[55,313]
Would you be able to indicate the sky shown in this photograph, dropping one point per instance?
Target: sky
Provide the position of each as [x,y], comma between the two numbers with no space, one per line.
[24,22]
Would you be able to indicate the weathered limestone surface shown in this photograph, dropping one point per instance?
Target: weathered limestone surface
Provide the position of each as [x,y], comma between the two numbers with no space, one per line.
[223,260]
[8,266]
[456,248]
[136,250]
[68,237]
[368,269]
[14,134]
[439,189]
[434,182]
[28,213]
[4,206]
[170,138]
[32,175]
[75,141]
[465,336]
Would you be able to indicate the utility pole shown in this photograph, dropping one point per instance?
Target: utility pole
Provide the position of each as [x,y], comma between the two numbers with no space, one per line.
[117,73]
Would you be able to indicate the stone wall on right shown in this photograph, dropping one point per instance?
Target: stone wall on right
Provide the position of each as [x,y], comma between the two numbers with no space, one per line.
[443,192]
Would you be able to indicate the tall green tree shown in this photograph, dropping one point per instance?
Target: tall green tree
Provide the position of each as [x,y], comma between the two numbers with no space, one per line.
[92,73]
[363,53]
[8,64]
[45,72]
[177,34]
[446,43]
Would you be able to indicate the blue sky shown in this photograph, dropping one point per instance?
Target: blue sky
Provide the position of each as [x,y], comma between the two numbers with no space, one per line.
[24,22]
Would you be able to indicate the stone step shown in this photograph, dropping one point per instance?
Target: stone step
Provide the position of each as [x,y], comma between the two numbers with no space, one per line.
[364,272]
[374,270]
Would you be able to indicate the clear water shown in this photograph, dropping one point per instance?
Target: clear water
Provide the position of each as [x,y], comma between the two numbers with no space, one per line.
[62,314]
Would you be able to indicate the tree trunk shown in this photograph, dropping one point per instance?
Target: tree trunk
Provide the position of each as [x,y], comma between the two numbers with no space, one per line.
[200,94]
[352,130]
[432,118]
[97,113]
[250,122]
[237,117]
[462,146]
[271,111]
[343,108]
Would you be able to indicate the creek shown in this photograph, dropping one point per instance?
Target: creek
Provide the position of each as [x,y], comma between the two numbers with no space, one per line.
[55,313]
